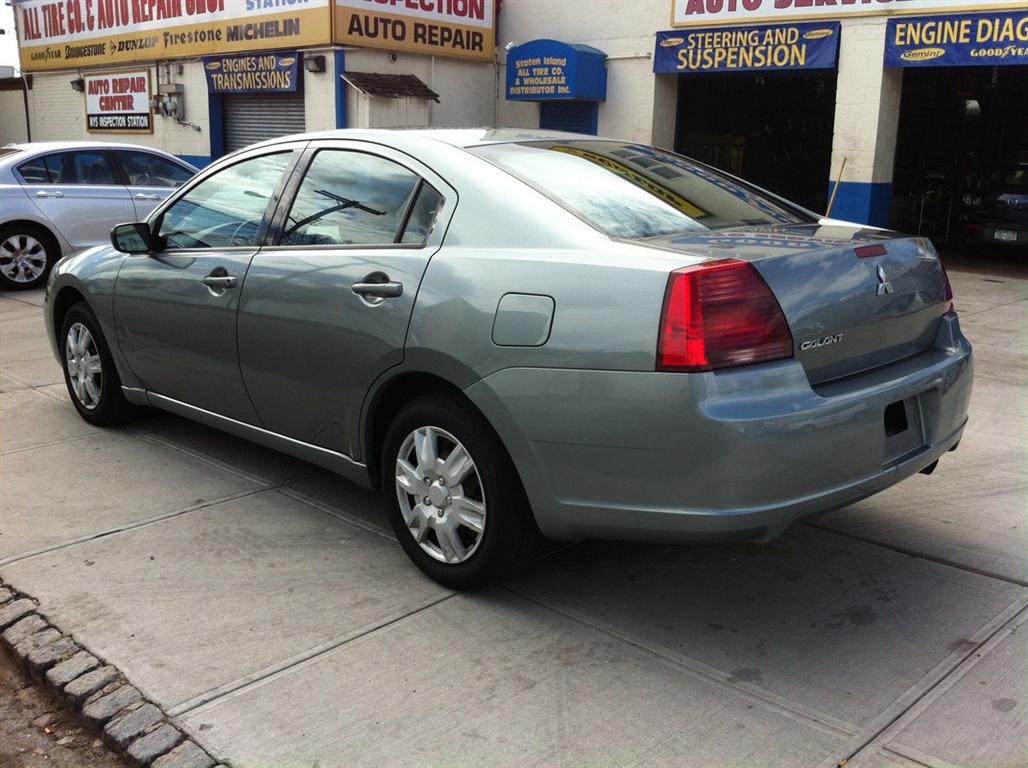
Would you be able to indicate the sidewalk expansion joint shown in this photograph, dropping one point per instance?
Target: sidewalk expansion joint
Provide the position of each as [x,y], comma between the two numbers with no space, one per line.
[139,523]
[96,691]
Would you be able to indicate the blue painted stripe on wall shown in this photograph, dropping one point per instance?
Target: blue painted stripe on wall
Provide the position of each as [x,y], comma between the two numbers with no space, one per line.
[340,89]
[200,161]
[863,203]
[216,114]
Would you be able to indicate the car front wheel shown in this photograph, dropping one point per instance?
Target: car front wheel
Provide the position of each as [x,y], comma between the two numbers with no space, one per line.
[453,496]
[89,370]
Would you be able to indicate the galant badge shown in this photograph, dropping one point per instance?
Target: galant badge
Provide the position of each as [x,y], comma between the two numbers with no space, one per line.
[817,343]
[884,286]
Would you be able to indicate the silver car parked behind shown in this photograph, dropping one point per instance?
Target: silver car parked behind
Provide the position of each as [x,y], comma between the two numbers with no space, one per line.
[512,332]
[60,197]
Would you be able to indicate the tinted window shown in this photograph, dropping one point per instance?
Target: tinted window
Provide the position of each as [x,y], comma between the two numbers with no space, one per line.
[635,191]
[422,216]
[350,198]
[226,209]
[37,170]
[86,167]
[147,170]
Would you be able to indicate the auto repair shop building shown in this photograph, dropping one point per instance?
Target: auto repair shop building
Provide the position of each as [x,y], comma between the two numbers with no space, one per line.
[919,98]
[200,78]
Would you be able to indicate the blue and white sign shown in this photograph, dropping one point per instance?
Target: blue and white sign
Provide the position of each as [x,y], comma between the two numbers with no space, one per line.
[979,39]
[549,70]
[253,73]
[747,49]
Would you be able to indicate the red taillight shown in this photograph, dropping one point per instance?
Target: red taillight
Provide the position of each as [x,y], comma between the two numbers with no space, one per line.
[870,251]
[718,315]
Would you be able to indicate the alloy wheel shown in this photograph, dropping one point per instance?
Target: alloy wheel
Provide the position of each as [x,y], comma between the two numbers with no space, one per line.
[441,496]
[22,258]
[85,371]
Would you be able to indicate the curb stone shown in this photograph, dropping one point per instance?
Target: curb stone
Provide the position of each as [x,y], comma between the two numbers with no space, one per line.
[136,728]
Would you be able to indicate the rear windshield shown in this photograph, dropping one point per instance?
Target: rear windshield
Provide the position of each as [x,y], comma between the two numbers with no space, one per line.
[635,191]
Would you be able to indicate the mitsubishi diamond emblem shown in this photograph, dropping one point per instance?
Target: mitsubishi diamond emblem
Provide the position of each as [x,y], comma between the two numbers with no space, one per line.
[884,286]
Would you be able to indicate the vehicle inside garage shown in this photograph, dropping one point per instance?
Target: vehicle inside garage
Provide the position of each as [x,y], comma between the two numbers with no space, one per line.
[963,132]
[772,128]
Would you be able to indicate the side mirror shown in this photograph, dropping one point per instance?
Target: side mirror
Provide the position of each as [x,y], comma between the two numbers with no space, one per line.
[132,238]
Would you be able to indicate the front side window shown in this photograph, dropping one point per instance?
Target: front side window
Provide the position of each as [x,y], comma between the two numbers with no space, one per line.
[226,209]
[635,191]
[144,169]
[350,198]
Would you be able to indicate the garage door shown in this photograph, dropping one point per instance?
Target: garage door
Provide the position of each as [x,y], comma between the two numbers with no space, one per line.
[250,118]
[574,116]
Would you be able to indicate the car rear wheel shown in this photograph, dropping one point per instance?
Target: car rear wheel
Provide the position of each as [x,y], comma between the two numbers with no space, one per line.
[453,496]
[27,254]
[89,370]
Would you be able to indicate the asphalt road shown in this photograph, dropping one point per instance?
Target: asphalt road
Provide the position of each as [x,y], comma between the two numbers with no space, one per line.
[264,605]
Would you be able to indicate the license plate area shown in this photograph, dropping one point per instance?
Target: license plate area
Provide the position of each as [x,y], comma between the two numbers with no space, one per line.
[903,424]
[1005,236]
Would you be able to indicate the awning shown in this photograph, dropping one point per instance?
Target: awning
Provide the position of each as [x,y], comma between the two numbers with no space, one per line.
[390,86]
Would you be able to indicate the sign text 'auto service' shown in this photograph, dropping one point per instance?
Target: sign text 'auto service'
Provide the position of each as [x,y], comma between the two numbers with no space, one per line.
[708,12]
[982,39]
[748,49]
[118,103]
[255,73]
[461,28]
[58,34]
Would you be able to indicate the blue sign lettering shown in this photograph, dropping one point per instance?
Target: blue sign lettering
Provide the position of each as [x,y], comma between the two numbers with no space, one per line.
[980,39]
[253,73]
[747,49]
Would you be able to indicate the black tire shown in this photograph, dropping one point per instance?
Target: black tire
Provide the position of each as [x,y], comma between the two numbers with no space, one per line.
[509,536]
[110,408]
[25,234]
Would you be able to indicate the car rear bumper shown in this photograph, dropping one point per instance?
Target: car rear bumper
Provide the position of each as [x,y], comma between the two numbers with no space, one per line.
[736,454]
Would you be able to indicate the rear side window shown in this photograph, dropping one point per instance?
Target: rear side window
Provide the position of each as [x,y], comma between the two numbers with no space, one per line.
[636,191]
[422,215]
[350,198]
[144,169]
[37,170]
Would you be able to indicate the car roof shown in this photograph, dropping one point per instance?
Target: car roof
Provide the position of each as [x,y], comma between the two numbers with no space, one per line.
[463,138]
[53,146]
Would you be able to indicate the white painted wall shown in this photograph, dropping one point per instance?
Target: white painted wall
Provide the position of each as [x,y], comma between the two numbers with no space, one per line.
[58,113]
[639,106]
[467,89]
[867,104]
[319,99]
[12,117]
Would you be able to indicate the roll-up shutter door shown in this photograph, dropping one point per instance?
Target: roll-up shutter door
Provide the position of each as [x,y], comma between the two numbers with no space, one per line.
[573,116]
[253,117]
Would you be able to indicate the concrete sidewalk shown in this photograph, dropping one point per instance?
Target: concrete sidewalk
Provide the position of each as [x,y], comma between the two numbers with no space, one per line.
[263,604]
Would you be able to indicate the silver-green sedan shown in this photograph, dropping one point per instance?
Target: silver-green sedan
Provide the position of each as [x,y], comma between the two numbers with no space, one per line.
[514,333]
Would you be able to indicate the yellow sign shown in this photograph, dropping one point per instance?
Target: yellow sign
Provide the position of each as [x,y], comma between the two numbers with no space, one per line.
[461,28]
[68,34]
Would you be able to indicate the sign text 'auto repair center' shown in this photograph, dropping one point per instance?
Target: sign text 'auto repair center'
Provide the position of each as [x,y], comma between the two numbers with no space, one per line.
[917,97]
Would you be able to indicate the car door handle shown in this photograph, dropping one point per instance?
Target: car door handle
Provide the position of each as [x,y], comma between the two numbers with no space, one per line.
[144,196]
[41,193]
[220,281]
[385,290]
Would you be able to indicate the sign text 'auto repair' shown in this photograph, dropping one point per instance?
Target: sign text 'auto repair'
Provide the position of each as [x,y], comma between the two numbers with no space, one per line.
[461,28]
[118,103]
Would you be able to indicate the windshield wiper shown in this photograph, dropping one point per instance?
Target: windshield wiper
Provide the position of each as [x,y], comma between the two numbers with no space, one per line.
[344,203]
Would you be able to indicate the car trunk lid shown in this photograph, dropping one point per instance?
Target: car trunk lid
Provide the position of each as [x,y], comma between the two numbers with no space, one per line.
[855,298]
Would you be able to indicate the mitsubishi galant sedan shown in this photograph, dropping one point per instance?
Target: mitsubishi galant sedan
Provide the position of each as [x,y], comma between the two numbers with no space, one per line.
[513,333]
